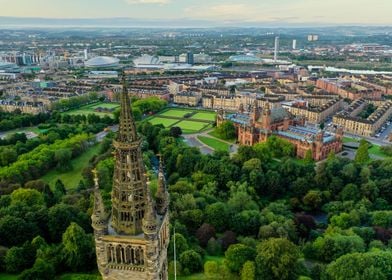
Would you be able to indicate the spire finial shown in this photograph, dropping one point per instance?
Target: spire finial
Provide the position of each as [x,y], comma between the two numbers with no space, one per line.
[127,130]
[150,219]
[99,217]
[162,194]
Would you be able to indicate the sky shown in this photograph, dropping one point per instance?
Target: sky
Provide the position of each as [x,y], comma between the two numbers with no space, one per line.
[363,12]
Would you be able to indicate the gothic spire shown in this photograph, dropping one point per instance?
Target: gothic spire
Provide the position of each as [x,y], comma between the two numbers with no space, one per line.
[99,217]
[150,218]
[162,193]
[127,129]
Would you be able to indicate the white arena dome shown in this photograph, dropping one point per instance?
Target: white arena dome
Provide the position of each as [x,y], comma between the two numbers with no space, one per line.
[102,62]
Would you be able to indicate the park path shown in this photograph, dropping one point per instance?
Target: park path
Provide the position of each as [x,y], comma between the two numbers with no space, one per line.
[193,141]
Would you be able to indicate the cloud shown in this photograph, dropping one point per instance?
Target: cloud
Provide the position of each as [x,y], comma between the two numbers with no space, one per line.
[160,2]
[221,11]
[299,11]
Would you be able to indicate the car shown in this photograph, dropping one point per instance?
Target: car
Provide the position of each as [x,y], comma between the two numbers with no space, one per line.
[378,135]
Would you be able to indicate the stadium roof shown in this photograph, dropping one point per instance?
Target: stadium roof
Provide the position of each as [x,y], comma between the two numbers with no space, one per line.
[102,62]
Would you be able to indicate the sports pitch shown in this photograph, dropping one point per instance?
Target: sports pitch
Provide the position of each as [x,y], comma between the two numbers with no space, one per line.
[196,121]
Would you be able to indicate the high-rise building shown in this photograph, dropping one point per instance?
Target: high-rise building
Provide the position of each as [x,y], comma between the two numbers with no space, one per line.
[313,37]
[131,244]
[276,50]
[294,44]
[190,58]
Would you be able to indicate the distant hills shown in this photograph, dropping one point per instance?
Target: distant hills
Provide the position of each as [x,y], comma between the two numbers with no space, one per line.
[20,22]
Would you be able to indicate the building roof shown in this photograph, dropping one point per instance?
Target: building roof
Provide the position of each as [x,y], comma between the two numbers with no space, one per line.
[278,114]
[102,61]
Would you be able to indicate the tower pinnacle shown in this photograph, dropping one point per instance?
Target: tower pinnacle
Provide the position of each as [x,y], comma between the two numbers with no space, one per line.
[99,217]
[127,129]
[162,195]
[150,217]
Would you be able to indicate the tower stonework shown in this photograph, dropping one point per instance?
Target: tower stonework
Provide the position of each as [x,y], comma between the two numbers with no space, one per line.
[132,242]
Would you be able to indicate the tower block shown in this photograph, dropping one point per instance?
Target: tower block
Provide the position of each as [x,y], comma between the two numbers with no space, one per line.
[132,242]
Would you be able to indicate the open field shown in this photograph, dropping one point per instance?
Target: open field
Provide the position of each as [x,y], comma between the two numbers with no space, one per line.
[214,143]
[373,150]
[89,109]
[196,122]
[165,122]
[179,113]
[72,178]
[27,130]
[207,116]
[215,134]
[191,126]
[106,105]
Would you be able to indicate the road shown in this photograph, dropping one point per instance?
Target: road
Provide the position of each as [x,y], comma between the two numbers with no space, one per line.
[191,140]
[100,135]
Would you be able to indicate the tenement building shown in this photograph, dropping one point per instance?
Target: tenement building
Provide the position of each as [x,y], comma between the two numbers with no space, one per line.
[312,110]
[352,122]
[131,242]
[349,89]
[258,125]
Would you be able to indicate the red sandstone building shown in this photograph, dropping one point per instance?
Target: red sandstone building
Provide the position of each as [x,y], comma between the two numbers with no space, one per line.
[258,125]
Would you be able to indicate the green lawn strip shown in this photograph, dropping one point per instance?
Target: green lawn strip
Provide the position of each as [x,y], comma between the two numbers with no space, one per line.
[204,116]
[164,121]
[34,129]
[179,113]
[87,112]
[105,105]
[215,134]
[373,150]
[72,178]
[7,276]
[74,276]
[207,127]
[216,144]
[376,150]
[90,109]
[191,125]
[348,139]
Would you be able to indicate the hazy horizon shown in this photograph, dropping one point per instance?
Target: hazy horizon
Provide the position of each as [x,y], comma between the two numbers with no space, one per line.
[251,12]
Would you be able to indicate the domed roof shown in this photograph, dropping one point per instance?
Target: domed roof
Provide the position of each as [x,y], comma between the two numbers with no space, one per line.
[102,61]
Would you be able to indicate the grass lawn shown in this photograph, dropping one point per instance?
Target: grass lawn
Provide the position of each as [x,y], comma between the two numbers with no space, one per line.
[206,116]
[89,109]
[72,178]
[6,276]
[373,150]
[72,276]
[190,126]
[214,143]
[177,113]
[348,139]
[33,129]
[165,122]
[86,112]
[215,134]
[376,150]
[105,105]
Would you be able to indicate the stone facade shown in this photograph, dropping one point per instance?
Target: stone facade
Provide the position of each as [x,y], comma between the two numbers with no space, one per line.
[368,127]
[314,112]
[258,126]
[188,98]
[132,242]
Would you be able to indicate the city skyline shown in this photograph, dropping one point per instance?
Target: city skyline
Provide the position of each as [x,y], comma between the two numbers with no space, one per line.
[247,11]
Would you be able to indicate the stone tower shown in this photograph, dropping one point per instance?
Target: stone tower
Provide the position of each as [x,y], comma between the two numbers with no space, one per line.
[132,243]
